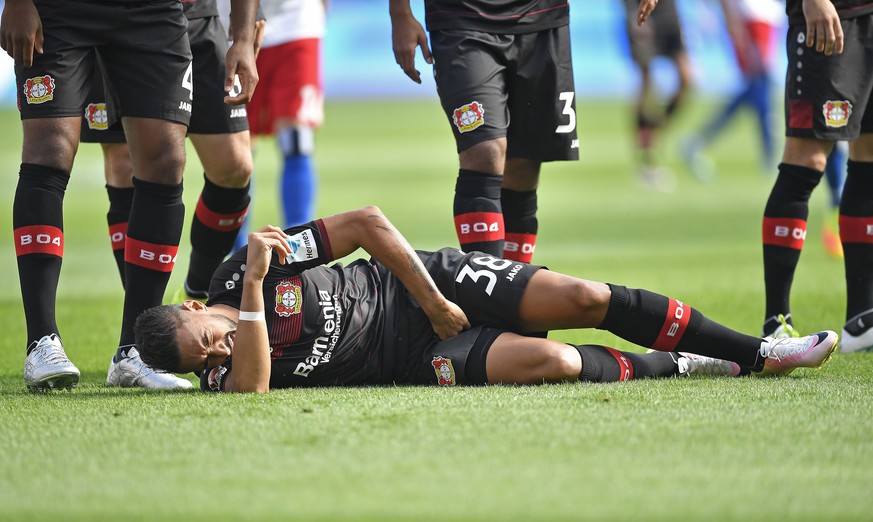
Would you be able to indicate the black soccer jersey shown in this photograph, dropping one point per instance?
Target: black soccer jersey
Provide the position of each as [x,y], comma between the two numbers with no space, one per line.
[496,16]
[846,9]
[325,323]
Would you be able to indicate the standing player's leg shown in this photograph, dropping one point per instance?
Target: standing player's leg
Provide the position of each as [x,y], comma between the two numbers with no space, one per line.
[518,197]
[49,146]
[856,232]
[118,170]
[470,72]
[835,175]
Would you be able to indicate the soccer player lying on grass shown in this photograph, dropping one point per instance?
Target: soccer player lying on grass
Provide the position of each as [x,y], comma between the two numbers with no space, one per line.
[277,318]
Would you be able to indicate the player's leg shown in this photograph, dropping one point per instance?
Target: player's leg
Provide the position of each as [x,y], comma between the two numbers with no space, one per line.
[470,72]
[835,175]
[518,198]
[856,224]
[152,60]
[119,187]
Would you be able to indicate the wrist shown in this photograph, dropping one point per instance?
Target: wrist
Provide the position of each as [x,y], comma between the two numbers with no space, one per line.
[251,316]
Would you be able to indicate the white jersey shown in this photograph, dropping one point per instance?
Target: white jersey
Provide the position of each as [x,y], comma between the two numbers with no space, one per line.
[771,12]
[287,20]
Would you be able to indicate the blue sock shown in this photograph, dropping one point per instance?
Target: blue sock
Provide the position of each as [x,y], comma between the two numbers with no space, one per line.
[835,172]
[298,175]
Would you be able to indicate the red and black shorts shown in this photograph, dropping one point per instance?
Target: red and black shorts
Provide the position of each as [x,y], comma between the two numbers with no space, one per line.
[518,86]
[827,97]
[144,47]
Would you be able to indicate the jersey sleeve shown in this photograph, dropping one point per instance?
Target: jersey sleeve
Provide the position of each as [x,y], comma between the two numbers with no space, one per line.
[310,247]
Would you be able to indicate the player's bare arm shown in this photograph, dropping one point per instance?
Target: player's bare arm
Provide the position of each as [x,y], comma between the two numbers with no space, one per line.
[251,344]
[406,36]
[21,31]
[240,61]
[823,28]
[645,9]
[368,228]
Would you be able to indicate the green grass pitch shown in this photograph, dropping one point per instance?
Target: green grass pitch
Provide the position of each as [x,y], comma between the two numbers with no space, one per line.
[795,448]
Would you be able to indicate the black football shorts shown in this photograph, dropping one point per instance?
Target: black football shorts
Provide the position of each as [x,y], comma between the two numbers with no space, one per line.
[144,47]
[827,97]
[661,35]
[518,86]
[489,290]
[209,113]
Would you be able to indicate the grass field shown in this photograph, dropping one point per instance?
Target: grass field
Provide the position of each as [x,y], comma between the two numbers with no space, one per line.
[795,448]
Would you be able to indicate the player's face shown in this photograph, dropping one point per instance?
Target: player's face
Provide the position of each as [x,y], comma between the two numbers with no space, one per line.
[205,340]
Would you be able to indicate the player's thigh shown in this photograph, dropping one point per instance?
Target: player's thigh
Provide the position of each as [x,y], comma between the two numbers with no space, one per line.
[554,301]
[226,158]
[470,72]
[542,101]
[516,359]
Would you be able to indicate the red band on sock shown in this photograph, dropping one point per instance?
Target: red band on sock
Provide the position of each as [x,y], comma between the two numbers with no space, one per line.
[519,247]
[160,258]
[856,229]
[39,239]
[784,232]
[117,235]
[678,315]
[476,227]
[626,371]
[216,221]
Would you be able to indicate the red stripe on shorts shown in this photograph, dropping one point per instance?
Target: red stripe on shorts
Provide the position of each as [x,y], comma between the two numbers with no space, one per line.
[800,114]
[784,232]
[856,229]
[216,221]
[39,239]
[475,227]
[626,371]
[159,258]
[675,323]
[117,235]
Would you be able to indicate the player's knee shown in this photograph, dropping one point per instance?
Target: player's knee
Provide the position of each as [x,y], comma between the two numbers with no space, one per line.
[588,298]
[236,172]
[560,363]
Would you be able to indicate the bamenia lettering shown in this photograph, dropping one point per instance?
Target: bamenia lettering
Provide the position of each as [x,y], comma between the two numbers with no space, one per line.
[324,344]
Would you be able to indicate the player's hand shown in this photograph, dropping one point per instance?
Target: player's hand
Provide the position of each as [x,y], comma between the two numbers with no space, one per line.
[823,27]
[241,74]
[449,320]
[261,246]
[21,31]
[406,36]
[645,9]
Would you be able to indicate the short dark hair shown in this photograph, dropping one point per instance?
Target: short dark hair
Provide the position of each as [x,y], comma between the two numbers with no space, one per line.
[155,332]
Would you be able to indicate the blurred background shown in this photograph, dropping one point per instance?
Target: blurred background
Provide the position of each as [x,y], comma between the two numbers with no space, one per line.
[358,61]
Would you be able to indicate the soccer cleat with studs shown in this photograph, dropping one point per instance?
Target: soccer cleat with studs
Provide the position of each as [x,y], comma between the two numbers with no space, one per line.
[783,355]
[858,334]
[132,372]
[47,366]
[694,364]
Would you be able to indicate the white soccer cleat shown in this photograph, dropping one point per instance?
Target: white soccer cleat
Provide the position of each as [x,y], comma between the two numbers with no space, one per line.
[132,372]
[857,336]
[47,366]
[693,364]
[783,355]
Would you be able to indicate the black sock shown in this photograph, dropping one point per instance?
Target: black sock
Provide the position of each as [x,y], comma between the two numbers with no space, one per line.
[217,220]
[856,234]
[665,324]
[520,218]
[604,364]
[784,232]
[120,201]
[153,235]
[478,213]
[38,229]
